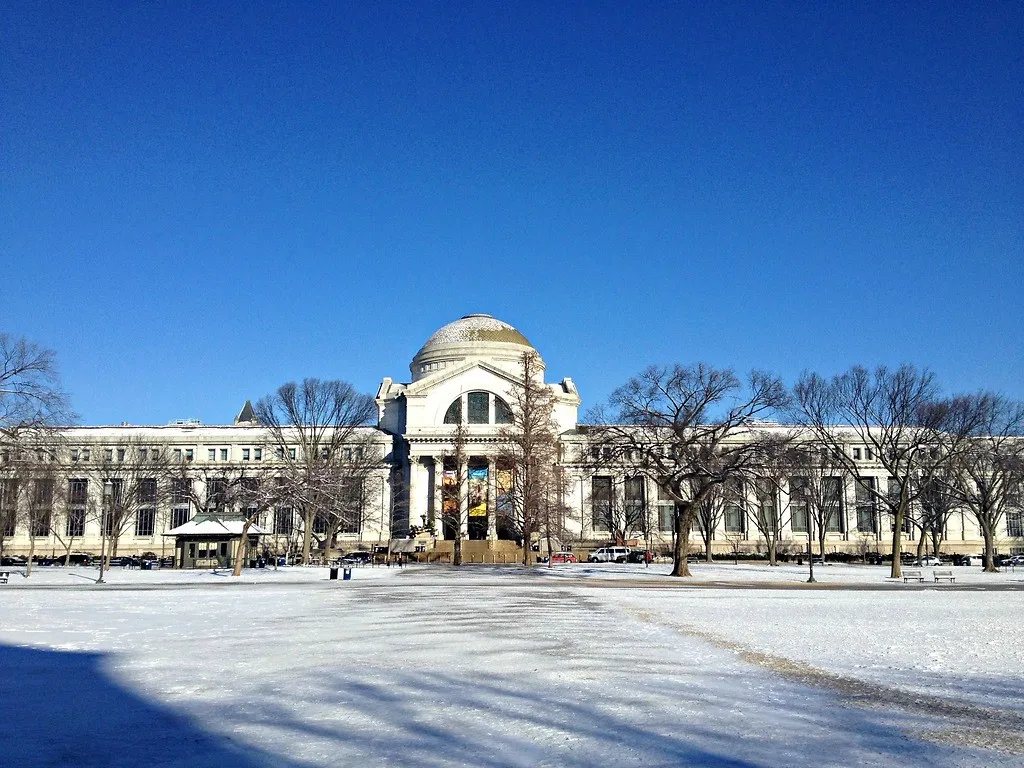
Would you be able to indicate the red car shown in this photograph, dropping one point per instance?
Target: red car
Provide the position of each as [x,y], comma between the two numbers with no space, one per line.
[561,558]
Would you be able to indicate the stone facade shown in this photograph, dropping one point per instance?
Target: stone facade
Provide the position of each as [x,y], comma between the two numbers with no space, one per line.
[468,369]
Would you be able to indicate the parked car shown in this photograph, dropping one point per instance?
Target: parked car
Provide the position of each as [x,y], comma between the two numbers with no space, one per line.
[357,558]
[1012,561]
[972,560]
[929,560]
[563,558]
[608,555]
[638,556]
[16,560]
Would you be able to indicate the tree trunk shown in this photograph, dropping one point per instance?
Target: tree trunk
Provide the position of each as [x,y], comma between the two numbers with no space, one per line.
[708,556]
[547,538]
[240,550]
[307,536]
[896,571]
[457,547]
[936,541]
[920,545]
[31,554]
[990,550]
[679,565]
[103,558]
[772,545]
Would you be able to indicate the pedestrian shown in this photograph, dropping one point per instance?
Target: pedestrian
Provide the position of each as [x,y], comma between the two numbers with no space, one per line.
[647,558]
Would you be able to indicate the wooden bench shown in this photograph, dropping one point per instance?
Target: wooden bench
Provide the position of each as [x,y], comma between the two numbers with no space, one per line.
[913,574]
[944,573]
[4,576]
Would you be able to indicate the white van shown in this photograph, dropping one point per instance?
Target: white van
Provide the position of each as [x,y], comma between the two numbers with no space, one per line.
[608,555]
[972,560]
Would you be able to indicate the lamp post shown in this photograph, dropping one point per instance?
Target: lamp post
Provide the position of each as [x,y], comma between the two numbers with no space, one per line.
[810,536]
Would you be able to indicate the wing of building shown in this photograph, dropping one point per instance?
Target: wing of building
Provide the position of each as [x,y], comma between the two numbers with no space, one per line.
[468,373]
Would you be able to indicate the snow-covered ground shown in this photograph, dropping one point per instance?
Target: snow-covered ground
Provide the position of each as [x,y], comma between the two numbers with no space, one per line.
[86,576]
[505,667]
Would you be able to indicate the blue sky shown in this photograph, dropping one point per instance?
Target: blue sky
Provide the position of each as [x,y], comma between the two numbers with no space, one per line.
[198,204]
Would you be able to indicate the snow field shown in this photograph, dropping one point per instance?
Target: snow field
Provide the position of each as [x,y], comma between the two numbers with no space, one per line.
[479,667]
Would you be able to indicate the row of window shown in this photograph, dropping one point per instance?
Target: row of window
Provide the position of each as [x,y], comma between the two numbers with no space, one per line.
[119,455]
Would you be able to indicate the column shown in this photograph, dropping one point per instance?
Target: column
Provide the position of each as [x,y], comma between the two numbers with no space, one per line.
[463,475]
[439,496]
[492,500]
[417,500]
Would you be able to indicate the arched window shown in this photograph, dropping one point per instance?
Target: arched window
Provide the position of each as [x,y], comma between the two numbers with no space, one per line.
[502,413]
[454,413]
[480,408]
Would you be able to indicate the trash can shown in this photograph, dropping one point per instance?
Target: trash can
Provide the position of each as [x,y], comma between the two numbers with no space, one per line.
[334,574]
[347,575]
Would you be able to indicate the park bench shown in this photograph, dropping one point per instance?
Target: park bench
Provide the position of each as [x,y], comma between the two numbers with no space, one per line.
[4,576]
[913,574]
[944,573]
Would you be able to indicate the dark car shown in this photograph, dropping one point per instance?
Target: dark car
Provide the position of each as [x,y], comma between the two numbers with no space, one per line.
[357,558]
[638,556]
[16,560]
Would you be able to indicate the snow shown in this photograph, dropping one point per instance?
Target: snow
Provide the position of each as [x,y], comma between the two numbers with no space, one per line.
[492,666]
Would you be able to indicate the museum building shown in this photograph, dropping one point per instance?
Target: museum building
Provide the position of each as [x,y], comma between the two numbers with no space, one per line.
[466,373]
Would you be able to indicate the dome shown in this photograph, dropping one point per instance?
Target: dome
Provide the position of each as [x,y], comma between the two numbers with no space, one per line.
[477,336]
[476,328]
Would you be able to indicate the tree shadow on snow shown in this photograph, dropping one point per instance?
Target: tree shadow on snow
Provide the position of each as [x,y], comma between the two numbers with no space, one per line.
[61,708]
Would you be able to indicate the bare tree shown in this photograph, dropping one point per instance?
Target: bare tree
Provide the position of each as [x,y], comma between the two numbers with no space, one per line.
[129,476]
[816,490]
[30,391]
[936,506]
[899,417]
[455,501]
[987,476]
[691,430]
[310,426]
[529,452]
[708,516]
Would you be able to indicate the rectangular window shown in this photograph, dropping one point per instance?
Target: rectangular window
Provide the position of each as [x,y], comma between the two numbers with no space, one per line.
[86,453]
[190,454]
[856,454]
[78,492]
[108,454]
[666,511]
[223,454]
[211,454]
[291,454]
[735,509]
[257,454]
[145,522]
[636,512]
[1015,524]
[767,504]
[217,493]
[798,490]
[601,503]
[177,454]
[120,455]
[179,516]
[155,454]
[74,454]
[320,523]
[478,405]
[832,497]
[245,454]
[283,521]
[42,507]
[867,521]
[8,505]
[76,522]
[147,491]
[869,454]
[143,454]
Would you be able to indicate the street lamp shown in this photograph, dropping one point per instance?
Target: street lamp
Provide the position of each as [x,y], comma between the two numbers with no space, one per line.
[810,536]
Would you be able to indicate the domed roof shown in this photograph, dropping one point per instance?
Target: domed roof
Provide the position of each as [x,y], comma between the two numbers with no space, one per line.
[476,328]
[472,336]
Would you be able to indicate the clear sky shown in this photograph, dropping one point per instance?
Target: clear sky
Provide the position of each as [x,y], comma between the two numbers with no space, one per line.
[200,201]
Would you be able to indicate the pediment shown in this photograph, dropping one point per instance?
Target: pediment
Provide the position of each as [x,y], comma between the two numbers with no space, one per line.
[423,387]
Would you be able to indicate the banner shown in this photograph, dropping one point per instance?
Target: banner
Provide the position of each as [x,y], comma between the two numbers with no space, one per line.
[478,492]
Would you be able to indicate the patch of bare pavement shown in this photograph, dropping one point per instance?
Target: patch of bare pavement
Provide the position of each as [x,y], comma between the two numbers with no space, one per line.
[963,724]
